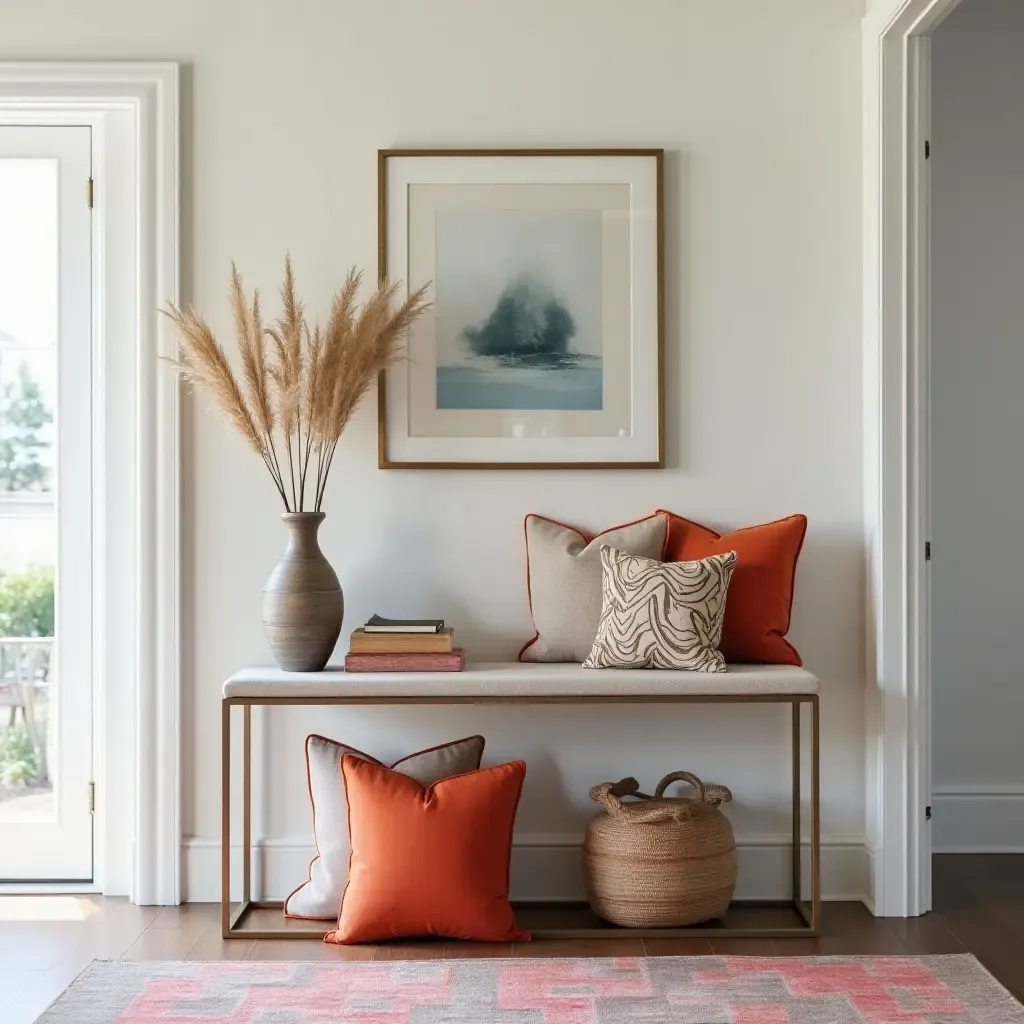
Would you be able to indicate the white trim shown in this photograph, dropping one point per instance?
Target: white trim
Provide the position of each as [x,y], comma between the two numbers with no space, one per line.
[919,443]
[134,109]
[917,468]
[894,417]
[49,889]
[545,866]
[869,897]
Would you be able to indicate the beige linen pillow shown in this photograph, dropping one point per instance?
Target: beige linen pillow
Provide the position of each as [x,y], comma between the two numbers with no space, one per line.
[563,571]
[661,614]
[320,896]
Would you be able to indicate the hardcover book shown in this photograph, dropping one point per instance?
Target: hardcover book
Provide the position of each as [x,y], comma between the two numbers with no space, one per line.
[378,624]
[451,662]
[362,642]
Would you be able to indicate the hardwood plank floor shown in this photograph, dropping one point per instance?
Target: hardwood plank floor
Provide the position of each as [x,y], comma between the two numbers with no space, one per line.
[46,941]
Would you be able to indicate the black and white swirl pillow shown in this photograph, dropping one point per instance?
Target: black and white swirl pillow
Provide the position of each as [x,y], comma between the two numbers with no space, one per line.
[661,614]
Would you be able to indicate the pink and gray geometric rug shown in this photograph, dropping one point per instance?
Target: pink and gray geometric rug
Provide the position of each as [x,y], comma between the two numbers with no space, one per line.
[652,990]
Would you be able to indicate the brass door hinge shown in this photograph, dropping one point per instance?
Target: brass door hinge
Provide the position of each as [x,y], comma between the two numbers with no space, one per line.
[89,191]
[92,797]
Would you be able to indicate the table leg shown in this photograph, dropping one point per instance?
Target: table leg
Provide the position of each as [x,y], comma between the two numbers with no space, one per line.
[246,803]
[225,819]
[815,815]
[797,799]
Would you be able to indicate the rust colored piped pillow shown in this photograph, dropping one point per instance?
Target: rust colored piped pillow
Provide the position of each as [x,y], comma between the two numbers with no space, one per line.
[429,860]
[760,601]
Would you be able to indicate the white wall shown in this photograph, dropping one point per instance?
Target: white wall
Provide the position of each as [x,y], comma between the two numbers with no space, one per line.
[978,425]
[758,107]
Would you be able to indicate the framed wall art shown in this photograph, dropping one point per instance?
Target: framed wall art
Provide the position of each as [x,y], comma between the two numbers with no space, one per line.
[544,347]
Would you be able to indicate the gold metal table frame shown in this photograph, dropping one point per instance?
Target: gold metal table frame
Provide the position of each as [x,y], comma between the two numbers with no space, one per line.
[233,919]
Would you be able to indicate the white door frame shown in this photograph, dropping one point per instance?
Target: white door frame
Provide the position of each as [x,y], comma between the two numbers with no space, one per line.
[896,109]
[133,111]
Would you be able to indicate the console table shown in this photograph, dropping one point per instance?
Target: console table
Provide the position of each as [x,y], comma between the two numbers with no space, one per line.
[503,683]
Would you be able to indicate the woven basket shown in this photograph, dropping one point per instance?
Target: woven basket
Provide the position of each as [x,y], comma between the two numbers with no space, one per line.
[663,862]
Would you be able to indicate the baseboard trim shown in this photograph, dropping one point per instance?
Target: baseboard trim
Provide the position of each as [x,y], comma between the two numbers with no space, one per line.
[978,818]
[545,866]
[972,848]
[870,853]
[998,790]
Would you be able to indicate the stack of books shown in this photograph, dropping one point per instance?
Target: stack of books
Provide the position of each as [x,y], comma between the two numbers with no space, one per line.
[403,645]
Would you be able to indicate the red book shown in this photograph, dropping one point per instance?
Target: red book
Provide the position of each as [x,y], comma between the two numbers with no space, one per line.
[450,662]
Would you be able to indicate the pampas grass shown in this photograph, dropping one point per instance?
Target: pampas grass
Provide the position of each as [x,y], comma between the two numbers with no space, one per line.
[299,384]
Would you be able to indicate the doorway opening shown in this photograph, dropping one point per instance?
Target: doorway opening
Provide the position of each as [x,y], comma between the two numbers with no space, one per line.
[975,356]
[907,540]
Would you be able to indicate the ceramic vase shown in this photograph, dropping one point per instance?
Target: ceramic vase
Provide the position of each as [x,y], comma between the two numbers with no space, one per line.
[302,602]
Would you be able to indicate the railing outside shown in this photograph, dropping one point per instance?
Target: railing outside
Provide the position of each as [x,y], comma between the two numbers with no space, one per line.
[24,687]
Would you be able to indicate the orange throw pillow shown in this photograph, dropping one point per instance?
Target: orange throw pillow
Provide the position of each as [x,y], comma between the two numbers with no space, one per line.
[429,860]
[760,598]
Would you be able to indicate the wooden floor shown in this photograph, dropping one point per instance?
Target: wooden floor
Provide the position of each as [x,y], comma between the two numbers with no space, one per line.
[45,941]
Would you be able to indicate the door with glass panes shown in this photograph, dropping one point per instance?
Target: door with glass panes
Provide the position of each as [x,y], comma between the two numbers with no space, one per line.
[46,504]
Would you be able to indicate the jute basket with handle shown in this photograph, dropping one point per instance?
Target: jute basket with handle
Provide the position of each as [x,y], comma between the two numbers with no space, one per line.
[663,861]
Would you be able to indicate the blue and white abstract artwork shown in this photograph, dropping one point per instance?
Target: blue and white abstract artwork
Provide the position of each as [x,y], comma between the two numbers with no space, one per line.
[519,309]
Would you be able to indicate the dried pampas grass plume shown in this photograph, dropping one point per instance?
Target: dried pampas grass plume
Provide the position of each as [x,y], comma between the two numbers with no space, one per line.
[302,388]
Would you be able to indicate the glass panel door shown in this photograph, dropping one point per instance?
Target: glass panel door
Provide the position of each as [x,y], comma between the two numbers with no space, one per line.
[45,504]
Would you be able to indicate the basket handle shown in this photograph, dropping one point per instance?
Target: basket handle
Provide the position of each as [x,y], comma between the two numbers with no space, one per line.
[705,794]
[716,795]
[681,777]
[608,794]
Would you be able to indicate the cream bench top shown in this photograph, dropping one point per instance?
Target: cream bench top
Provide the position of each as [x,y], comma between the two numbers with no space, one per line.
[516,681]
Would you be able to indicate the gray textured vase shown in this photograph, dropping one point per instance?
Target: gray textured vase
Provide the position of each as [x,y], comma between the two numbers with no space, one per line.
[302,601]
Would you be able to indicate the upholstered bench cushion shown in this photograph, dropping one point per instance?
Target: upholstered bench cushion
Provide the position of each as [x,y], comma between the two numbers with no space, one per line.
[517,681]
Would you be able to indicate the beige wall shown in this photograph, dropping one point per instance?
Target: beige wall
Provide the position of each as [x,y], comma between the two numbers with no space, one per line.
[758,107]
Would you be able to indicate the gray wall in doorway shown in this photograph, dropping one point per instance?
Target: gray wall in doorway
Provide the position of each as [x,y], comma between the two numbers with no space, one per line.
[977,171]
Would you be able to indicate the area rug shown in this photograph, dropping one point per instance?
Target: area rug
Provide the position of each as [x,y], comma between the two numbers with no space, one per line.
[652,990]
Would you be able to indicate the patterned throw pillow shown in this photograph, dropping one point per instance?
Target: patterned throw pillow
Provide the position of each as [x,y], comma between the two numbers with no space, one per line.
[661,614]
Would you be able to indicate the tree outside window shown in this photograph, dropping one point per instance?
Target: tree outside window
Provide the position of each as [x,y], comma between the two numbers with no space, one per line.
[25,419]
